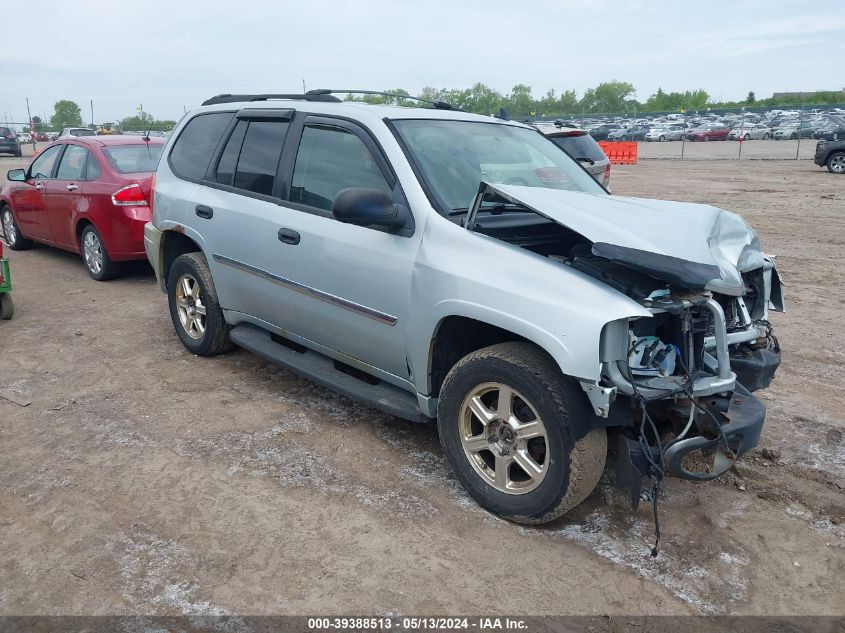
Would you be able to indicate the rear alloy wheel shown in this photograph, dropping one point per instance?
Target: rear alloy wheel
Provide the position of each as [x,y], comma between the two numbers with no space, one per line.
[505,419]
[662,138]
[766,136]
[11,232]
[97,261]
[836,163]
[747,137]
[194,308]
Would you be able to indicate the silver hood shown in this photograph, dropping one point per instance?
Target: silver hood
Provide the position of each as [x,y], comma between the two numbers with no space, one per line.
[705,243]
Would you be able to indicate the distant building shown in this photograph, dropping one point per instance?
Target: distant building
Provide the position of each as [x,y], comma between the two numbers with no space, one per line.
[802,95]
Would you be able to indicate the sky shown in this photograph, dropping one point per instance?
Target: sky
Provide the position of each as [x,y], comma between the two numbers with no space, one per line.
[170,55]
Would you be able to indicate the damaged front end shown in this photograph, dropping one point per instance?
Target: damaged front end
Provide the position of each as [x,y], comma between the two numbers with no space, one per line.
[677,383]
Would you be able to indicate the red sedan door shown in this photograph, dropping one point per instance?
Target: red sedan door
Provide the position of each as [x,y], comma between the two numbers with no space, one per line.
[66,195]
[29,200]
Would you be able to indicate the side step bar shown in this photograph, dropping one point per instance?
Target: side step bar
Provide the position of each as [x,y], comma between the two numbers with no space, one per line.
[323,370]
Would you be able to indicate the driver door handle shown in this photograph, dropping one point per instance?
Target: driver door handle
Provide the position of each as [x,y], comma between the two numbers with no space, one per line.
[72,187]
[39,185]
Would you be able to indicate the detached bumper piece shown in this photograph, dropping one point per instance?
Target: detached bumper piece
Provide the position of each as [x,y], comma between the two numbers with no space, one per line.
[740,420]
[755,369]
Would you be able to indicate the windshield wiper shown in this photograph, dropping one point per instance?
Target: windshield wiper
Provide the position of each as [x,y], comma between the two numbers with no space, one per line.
[494,209]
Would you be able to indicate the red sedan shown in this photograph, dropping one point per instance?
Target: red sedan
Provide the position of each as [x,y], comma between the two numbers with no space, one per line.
[89,195]
[709,133]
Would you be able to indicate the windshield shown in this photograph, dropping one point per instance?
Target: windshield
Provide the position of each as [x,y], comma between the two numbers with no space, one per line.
[456,156]
[132,159]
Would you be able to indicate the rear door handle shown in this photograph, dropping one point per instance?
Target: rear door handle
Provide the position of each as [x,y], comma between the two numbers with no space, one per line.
[72,187]
[204,211]
[289,236]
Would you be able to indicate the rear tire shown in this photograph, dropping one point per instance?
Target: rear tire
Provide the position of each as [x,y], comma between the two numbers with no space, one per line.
[194,307]
[11,231]
[95,256]
[7,308]
[520,463]
[747,137]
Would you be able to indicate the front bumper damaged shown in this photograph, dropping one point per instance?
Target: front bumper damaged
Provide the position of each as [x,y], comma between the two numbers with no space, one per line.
[701,457]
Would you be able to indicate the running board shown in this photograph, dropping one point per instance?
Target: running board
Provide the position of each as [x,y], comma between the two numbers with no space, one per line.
[324,371]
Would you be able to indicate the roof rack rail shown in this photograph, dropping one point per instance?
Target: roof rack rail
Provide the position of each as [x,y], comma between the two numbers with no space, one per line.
[439,105]
[229,98]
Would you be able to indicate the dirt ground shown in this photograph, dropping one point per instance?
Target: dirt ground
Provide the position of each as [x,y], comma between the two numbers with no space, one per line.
[142,479]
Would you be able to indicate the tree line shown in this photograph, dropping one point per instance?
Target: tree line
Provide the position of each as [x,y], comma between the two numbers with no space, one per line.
[67,113]
[611,97]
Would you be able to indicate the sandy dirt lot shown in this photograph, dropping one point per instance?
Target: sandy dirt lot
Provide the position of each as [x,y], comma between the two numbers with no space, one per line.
[142,479]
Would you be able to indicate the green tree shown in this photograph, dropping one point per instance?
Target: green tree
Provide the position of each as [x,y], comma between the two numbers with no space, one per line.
[65,114]
[751,98]
[608,97]
[520,103]
[147,122]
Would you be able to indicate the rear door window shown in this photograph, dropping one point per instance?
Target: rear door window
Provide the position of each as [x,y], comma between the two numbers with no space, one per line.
[197,141]
[229,158]
[72,166]
[259,156]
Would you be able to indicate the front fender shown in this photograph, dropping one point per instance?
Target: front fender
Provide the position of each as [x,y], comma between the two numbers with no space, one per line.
[465,274]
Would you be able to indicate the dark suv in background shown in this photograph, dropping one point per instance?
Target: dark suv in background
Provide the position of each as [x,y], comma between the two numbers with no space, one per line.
[9,142]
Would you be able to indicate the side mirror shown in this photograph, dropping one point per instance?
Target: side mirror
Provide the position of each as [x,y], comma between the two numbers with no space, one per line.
[16,175]
[367,207]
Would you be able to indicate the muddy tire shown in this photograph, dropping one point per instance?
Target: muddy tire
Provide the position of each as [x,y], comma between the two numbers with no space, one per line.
[11,231]
[194,307]
[7,307]
[505,427]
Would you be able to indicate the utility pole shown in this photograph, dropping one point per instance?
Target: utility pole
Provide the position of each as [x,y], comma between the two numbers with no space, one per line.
[29,116]
[92,114]
[303,87]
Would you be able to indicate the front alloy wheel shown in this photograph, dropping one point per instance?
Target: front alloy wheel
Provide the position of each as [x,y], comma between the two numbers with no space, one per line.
[504,438]
[10,230]
[836,163]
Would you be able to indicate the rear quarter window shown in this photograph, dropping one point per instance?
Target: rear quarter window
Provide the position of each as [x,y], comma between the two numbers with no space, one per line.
[197,141]
[583,146]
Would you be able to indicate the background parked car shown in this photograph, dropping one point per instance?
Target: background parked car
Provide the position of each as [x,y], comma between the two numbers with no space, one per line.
[84,195]
[832,130]
[601,132]
[709,132]
[793,131]
[24,138]
[9,143]
[583,148]
[668,133]
[749,131]
[76,131]
[831,155]
[633,133]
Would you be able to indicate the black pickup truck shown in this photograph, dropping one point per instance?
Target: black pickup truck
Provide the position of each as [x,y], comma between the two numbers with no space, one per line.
[831,154]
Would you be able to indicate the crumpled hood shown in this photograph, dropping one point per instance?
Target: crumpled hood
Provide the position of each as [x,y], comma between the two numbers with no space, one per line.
[712,247]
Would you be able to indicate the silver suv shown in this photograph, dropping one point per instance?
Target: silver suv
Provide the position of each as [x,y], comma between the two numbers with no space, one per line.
[445,266]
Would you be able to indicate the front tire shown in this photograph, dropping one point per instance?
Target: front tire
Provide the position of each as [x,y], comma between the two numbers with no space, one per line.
[505,419]
[95,256]
[836,163]
[747,137]
[11,231]
[194,307]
